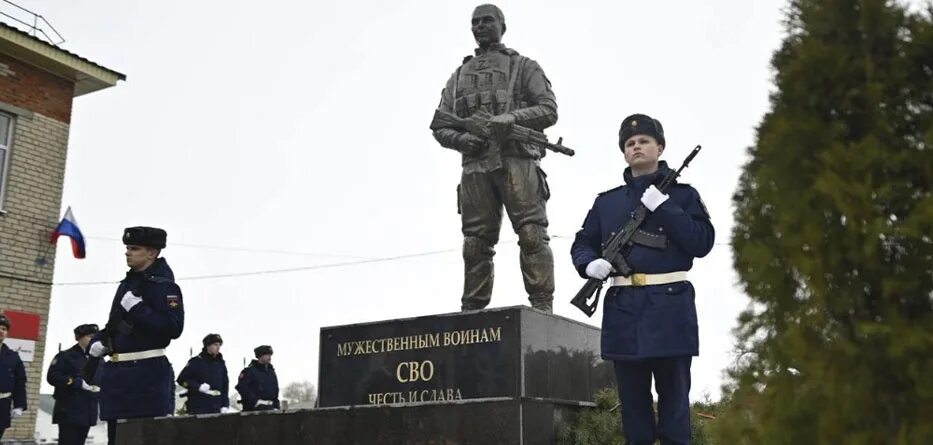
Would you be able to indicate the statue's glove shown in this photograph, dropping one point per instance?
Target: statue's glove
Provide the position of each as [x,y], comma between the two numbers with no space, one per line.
[471,145]
[502,125]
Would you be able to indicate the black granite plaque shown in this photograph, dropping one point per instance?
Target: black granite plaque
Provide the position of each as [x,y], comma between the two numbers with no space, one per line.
[505,352]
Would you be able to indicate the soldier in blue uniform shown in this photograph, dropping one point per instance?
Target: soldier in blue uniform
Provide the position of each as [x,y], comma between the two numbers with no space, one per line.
[205,377]
[649,318]
[258,385]
[75,409]
[12,380]
[146,315]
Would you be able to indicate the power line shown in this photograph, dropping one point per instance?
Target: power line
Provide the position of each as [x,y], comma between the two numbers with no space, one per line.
[249,249]
[278,271]
[289,252]
[302,268]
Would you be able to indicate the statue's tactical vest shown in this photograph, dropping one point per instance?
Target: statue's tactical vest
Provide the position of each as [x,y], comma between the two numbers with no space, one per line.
[489,82]
[483,84]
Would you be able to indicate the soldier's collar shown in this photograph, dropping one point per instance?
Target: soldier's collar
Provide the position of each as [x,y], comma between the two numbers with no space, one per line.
[643,181]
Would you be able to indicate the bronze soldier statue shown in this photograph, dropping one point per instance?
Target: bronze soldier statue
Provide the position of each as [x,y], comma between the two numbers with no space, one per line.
[508,91]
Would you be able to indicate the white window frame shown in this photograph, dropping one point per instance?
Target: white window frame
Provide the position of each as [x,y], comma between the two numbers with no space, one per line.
[5,147]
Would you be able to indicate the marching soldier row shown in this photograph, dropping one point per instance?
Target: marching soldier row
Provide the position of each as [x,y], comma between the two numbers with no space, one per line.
[137,381]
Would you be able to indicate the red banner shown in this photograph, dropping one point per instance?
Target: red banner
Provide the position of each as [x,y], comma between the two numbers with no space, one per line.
[23,325]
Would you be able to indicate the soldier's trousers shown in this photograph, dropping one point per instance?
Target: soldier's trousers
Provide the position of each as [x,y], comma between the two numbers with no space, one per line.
[69,434]
[672,382]
[520,186]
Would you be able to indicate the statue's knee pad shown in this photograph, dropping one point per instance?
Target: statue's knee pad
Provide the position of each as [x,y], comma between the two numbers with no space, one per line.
[477,248]
[532,237]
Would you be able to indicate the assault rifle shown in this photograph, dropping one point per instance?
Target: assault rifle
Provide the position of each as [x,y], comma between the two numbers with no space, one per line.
[478,125]
[118,323]
[614,249]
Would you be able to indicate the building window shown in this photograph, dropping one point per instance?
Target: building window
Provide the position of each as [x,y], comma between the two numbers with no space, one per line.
[6,135]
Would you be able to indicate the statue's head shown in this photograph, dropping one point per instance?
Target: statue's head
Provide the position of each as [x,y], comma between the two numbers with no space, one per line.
[488,24]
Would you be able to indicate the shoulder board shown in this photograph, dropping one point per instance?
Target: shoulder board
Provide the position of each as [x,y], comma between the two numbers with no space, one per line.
[157,279]
[611,190]
[510,52]
[467,59]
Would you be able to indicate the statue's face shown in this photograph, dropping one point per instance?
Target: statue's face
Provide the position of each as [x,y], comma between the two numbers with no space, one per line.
[487,27]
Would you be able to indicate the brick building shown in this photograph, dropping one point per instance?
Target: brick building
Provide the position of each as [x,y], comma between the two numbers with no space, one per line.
[38,82]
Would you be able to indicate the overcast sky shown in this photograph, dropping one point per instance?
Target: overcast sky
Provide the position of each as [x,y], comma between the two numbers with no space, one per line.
[302,128]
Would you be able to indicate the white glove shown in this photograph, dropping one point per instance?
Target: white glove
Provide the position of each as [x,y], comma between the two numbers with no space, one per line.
[91,388]
[653,197]
[206,389]
[225,410]
[97,349]
[16,412]
[129,300]
[262,402]
[598,269]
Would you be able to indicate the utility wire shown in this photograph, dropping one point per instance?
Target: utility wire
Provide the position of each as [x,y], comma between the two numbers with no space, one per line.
[278,271]
[249,249]
[302,268]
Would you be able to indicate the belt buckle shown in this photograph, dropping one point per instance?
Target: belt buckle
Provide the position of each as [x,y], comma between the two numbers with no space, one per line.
[639,279]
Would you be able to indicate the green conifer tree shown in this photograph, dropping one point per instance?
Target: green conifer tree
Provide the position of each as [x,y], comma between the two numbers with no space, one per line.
[834,235]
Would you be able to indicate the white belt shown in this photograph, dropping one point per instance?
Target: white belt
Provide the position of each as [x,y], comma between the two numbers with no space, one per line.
[4,395]
[644,279]
[141,355]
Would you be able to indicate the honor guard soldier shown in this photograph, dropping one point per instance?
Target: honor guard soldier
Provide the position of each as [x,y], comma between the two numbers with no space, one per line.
[513,90]
[649,327]
[258,385]
[146,315]
[12,380]
[76,403]
[205,377]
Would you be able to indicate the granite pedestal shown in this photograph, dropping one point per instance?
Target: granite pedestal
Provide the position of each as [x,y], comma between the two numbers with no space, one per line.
[509,375]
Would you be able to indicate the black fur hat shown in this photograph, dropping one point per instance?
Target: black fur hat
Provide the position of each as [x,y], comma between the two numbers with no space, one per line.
[640,124]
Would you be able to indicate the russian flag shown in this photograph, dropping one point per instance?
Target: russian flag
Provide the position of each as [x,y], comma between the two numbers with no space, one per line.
[69,228]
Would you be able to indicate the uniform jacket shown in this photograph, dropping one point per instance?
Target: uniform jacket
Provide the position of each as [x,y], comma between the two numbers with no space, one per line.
[73,405]
[203,368]
[258,382]
[13,381]
[142,388]
[649,321]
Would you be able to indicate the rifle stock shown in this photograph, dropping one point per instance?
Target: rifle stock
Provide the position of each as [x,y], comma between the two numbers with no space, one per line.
[591,287]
